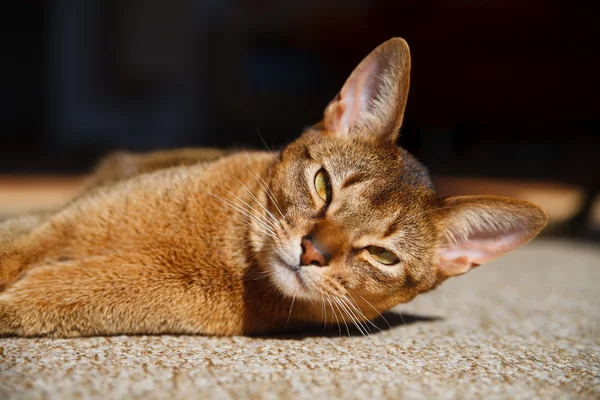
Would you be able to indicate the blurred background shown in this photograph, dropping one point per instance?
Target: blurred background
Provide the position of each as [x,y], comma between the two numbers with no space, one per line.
[504,94]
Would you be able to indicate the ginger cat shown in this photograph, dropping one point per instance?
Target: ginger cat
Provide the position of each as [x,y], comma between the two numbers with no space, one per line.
[338,227]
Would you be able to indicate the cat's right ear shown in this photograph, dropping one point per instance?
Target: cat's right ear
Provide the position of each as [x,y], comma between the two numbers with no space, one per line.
[372,101]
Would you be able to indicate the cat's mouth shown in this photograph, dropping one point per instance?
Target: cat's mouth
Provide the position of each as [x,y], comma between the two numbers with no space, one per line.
[288,278]
[295,270]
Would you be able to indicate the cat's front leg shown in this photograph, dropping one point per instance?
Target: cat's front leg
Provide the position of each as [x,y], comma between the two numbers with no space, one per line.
[107,296]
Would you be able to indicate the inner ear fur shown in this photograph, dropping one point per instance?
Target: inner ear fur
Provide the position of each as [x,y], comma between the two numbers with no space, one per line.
[372,101]
[474,230]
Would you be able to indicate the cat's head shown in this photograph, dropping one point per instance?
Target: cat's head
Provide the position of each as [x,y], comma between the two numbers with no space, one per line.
[360,217]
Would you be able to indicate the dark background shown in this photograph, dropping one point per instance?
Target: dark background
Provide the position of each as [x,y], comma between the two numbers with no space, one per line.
[503,89]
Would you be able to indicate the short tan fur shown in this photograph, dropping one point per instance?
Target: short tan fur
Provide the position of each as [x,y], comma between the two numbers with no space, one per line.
[338,227]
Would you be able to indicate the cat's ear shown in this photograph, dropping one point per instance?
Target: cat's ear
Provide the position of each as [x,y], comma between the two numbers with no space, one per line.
[477,229]
[371,104]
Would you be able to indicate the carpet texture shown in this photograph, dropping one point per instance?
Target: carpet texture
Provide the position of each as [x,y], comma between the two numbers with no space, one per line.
[526,326]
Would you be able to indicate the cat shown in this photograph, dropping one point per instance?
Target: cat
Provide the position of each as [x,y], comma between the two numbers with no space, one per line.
[339,226]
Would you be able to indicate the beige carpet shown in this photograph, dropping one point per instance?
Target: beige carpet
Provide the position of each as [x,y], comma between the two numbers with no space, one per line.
[526,326]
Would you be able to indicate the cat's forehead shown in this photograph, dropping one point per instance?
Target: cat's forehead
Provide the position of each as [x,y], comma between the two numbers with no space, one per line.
[353,162]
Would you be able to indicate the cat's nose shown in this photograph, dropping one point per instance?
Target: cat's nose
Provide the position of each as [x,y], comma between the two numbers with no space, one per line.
[311,255]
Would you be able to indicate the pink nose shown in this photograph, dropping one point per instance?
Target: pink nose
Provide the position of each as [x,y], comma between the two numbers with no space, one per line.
[310,254]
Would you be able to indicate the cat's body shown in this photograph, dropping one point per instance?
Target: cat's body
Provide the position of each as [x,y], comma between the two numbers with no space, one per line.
[161,234]
[339,226]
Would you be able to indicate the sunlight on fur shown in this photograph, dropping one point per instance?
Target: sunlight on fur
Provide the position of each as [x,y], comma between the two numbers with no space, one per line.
[338,227]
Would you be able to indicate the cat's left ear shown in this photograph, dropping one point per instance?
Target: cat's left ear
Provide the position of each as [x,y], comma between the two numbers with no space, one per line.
[477,229]
[371,104]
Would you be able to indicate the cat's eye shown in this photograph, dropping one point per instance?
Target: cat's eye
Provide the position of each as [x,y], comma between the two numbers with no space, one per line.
[382,255]
[323,185]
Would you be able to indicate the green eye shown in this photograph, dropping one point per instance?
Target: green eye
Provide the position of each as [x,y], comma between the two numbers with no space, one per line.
[323,186]
[382,255]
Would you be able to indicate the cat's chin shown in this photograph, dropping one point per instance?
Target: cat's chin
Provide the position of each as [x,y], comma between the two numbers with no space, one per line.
[288,279]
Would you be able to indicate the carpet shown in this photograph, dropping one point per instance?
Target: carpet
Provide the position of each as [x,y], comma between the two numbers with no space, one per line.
[525,326]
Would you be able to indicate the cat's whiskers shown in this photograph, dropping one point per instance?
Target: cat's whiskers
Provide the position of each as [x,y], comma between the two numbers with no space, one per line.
[336,304]
[264,142]
[267,230]
[323,312]
[334,314]
[268,272]
[351,302]
[291,306]
[242,186]
[331,296]
[263,275]
[344,311]
[247,211]
[348,309]
[268,191]
[402,318]
[258,214]
[270,195]
[371,305]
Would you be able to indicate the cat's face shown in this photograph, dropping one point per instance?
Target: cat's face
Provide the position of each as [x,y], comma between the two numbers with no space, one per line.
[358,217]
[356,223]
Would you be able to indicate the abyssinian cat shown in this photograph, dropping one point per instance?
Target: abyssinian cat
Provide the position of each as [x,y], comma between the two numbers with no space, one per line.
[338,227]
